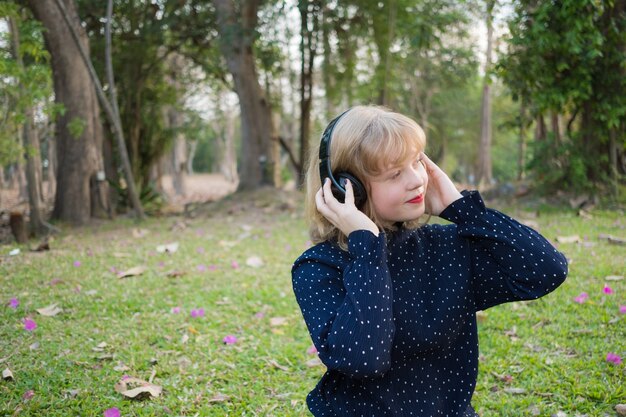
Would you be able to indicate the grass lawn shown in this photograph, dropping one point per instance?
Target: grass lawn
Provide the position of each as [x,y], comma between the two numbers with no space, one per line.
[230,277]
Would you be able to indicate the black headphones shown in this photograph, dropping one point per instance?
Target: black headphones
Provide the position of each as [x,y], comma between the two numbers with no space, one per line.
[338,181]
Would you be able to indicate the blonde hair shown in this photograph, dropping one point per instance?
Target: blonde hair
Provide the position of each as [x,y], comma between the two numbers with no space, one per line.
[365,141]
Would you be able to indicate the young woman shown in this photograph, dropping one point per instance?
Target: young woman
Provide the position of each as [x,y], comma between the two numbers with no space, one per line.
[390,302]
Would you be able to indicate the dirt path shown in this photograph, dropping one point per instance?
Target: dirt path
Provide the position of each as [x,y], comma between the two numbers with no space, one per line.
[199,188]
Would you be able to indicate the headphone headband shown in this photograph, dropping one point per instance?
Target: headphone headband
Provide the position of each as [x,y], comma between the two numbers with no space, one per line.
[338,183]
[324,154]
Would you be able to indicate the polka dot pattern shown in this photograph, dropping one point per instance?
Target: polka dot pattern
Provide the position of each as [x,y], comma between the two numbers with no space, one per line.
[393,318]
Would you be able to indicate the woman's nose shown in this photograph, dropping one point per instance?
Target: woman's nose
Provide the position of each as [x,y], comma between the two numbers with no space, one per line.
[416,179]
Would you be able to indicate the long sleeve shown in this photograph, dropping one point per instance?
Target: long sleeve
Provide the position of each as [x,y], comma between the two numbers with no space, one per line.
[510,261]
[347,305]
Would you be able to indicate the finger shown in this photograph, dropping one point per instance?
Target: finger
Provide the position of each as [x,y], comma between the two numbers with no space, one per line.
[329,198]
[319,198]
[349,193]
[320,203]
[427,161]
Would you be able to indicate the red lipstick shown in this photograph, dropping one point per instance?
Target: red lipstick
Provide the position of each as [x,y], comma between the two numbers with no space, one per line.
[417,199]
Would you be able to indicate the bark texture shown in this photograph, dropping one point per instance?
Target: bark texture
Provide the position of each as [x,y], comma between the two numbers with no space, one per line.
[78,131]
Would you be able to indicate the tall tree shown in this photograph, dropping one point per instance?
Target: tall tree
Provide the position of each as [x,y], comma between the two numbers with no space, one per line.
[484,174]
[310,16]
[78,129]
[31,144]
[236,23]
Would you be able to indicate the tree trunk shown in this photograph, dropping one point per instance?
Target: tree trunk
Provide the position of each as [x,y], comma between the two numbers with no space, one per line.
[309,28]
[51,176]
[556,129]
[31,145]
[384,26]
[521,154]
[78,130]
[540,128]
[484,171]
[237,28]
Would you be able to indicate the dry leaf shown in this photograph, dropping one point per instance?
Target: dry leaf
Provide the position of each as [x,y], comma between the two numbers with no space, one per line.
[105,357]
[169,248]
[139,233]
[614,278]
[218,398]
[254,262]
[72,393]
[100,347]
[621,409]
[137,389]
[50,311]
[7,375]
[121,255]
[227,243]
[617,240]
[278,321]
[132,272]
[314,362]
[175,274]
[121,367]
[278,366]
[515,391]
[568,239]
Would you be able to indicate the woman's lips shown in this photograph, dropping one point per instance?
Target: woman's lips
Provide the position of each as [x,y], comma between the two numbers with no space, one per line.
[417,199]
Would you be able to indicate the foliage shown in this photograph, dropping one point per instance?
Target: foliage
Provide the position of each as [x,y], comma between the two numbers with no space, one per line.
[567,59]
[21,87]
[553,350]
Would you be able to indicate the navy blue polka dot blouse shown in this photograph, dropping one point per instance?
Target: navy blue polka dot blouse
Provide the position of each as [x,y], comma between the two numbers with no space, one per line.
[393,318]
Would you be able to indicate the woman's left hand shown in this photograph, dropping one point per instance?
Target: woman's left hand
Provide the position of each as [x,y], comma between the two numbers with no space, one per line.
[441,191]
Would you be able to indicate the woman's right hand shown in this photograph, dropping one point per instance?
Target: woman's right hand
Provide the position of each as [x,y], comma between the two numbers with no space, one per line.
[346,217]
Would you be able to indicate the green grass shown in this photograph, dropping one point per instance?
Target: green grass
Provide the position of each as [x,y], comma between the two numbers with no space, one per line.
[553,348]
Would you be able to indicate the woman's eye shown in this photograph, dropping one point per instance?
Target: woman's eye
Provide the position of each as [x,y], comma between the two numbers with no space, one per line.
[395,175]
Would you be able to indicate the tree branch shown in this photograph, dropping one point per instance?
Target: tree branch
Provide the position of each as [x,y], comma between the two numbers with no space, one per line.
[287,148]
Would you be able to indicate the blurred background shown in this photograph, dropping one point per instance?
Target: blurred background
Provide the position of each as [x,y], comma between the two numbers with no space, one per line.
[131,107]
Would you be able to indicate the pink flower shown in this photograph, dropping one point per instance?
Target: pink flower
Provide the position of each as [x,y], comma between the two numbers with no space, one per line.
[202,268]
[607,289]
[581,298]
[200,250]
[259,315]
[212,267]
[76,264]
[230,340]
[622,309]
[613,358]
[29,325]
[14,302]
[28,395]
[112,412]
[234,264]
[197,313]
[175,310]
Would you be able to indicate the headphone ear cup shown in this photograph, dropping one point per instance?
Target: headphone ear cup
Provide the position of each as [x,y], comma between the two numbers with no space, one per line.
[360,194]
